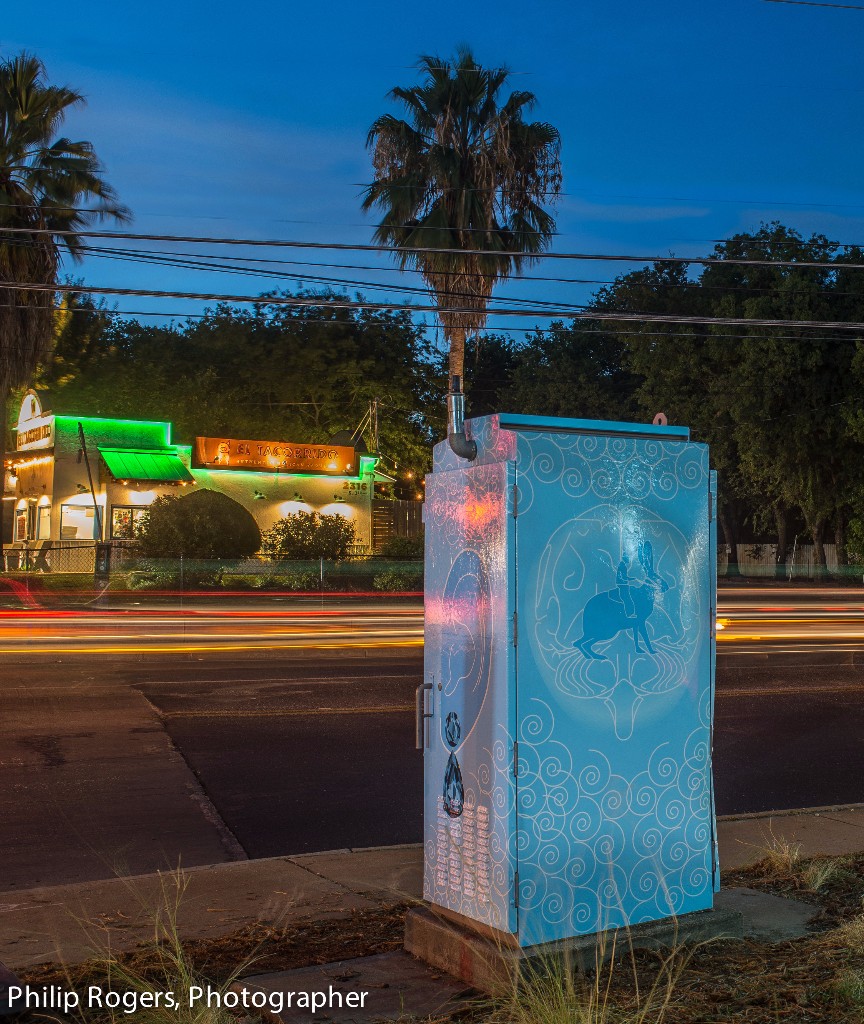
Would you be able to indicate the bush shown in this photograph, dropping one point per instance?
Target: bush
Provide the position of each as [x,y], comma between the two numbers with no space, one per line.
[309,535]
[203,524]
[397,581]
[403,547]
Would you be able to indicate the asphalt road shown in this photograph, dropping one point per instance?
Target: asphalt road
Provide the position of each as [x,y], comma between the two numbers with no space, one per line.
[119,761]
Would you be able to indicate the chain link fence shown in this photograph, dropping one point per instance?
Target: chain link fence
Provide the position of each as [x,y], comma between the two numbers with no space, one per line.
[56,565]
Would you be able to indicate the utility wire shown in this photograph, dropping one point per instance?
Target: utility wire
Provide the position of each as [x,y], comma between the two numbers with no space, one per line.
[313,279]
[489,331]
[813,3]
[201,262]
[403,251]
[602,197]
[574,313]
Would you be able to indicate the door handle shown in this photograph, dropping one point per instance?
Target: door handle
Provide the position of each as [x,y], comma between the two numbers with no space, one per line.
[421,714]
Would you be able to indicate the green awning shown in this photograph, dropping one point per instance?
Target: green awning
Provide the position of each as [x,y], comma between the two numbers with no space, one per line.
[158,465]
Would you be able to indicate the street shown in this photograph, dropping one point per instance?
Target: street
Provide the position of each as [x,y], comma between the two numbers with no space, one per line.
[134,742]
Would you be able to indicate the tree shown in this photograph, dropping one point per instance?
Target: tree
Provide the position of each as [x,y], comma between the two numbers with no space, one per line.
[461,186]
[790,388]
[572,370]
[45,182]
[300,373]
[202,524]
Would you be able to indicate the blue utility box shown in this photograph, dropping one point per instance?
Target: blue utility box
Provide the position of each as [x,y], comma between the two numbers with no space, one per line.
[569,677]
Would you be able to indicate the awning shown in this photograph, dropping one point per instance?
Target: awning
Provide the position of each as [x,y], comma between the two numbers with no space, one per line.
[382,478]
[157,465]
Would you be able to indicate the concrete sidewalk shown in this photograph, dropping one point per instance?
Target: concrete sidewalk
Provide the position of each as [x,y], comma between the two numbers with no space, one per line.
[72,922]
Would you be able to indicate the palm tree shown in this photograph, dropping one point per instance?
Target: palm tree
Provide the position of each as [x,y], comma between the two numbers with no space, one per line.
[461,184]
[50,188]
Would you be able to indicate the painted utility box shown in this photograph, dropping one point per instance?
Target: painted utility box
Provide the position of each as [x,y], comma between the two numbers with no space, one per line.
[569,677]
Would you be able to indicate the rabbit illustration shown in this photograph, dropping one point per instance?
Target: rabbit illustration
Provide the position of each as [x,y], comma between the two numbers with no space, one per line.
[628,606]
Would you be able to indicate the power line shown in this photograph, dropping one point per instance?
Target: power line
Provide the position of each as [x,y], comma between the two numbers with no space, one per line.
[294,276]
[813,3]
[201,262]
[395,250]
[600,196]
[574,313]
[488,331]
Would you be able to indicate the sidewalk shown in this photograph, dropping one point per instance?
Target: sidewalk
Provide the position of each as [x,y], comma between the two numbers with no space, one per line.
[70,922]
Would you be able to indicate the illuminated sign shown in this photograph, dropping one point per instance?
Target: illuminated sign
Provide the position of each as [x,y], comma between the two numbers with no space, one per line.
[273,456]
[35,429]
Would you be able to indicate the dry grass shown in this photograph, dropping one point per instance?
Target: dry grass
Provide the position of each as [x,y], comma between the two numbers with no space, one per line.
[163,965]
[779,856]
[820,872]
[554,992]
[817,979]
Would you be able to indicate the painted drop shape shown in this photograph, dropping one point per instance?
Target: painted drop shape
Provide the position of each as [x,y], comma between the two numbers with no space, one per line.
[452,729]
[454,791]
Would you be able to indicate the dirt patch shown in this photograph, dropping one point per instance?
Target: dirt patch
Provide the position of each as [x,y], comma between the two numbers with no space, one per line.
[817,979]
[254,949]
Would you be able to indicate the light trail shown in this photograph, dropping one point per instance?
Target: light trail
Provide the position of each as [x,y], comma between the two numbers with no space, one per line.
[193,648]
[749,619]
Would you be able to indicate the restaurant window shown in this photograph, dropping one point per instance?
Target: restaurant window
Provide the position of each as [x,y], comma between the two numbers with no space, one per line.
[126,521]
[21,518]
[77,522]
[43,522]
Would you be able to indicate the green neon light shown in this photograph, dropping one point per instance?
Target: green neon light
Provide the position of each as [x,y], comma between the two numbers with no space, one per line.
[257,475]
[107,430]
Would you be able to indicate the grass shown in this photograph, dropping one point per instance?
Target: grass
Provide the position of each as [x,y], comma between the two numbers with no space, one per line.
[817,979]
[554,992]
[780,856]
[820,873]
[163,966]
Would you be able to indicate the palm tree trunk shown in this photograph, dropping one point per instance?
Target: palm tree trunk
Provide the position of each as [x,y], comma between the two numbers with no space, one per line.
[457,353]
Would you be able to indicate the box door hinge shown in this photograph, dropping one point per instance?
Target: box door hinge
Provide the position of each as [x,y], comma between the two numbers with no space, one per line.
[515,629]
[710,506]
[515,501]
[516,890]
[515,759]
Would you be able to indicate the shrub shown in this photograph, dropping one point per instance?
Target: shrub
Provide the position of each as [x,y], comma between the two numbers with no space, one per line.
[203,524]
[403,547]
[309,535]
[397,580]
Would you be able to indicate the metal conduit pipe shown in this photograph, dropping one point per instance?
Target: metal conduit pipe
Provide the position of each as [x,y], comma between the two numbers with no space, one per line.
[461,445]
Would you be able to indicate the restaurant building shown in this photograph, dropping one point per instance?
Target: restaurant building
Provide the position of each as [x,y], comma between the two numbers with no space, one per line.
[79,479]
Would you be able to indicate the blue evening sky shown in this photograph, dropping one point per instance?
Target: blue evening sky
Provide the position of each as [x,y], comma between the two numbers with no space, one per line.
[681,122]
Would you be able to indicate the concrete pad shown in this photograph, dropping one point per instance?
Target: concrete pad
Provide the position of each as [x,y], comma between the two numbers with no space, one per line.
[396,984]
[766,917]
[396,870]
[494,967]
[745,840]
[74,922]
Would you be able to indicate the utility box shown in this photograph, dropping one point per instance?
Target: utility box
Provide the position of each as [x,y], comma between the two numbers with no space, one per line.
[566,712]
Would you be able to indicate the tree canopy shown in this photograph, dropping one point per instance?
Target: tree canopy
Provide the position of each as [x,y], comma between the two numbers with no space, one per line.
[300,373]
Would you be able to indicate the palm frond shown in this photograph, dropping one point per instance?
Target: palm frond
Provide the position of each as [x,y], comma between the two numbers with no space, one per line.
[48,183]
[464,173]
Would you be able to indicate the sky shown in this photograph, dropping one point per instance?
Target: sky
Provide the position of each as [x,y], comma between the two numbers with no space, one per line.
[681,123]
